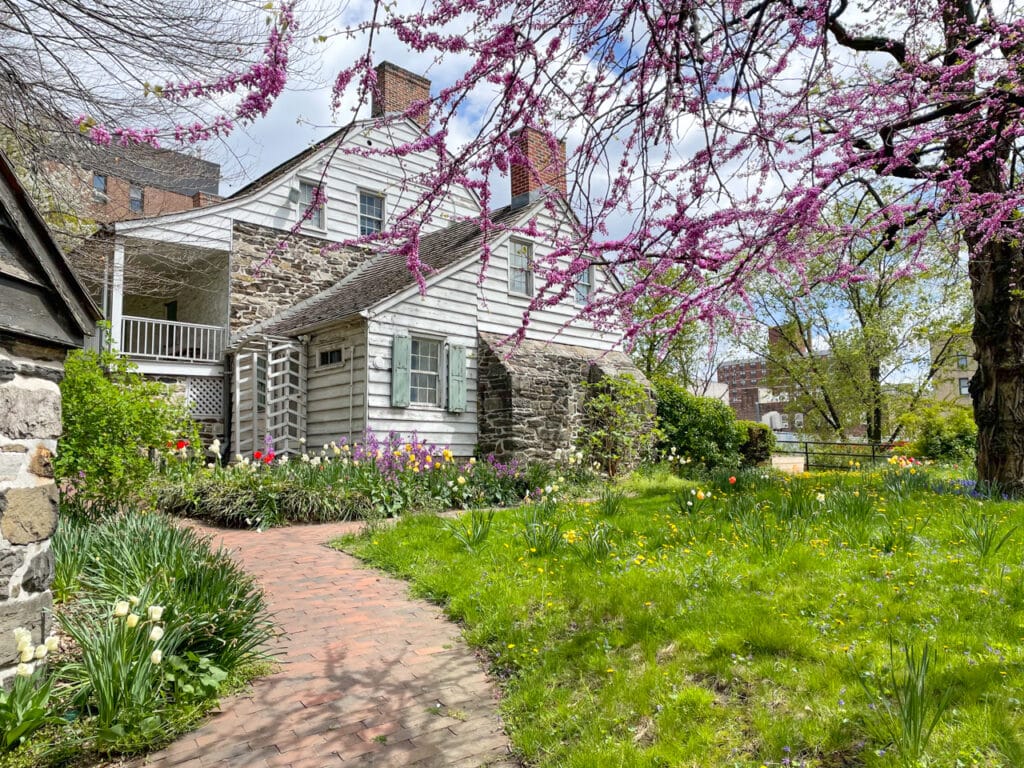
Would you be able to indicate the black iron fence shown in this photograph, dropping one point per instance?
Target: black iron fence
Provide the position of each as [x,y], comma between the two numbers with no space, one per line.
[820,454]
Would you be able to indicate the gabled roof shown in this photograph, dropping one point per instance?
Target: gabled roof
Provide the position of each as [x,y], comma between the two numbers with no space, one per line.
[386,275]
[294,162]
[40,296]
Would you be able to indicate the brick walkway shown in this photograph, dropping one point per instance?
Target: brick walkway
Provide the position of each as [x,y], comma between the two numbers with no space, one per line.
[368,676]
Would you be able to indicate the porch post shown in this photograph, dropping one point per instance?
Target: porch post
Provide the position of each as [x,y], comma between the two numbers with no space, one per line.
[117,295]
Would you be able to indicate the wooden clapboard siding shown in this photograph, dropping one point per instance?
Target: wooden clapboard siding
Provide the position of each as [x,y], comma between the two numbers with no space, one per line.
[269,204]
[450,316]
[336,394]
[502,312]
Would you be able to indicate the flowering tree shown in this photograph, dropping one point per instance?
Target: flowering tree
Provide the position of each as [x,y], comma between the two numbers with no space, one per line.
[708,138]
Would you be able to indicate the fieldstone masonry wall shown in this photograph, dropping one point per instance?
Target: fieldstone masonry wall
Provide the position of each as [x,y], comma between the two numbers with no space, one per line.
[530,402]
[30,423]
[300,271]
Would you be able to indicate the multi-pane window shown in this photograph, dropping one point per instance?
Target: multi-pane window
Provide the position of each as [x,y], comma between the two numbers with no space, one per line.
[136,201]
[965,387]
[99,184]
[961,361]
[584,284]
[425,372]
[307,197]
[520,268]
[330,357]
[371,213]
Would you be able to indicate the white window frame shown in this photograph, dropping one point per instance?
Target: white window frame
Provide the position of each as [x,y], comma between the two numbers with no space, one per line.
[318,220]
[527,271]
[360,193]
[581,297]
[965,387]
[961,361]
[439,389]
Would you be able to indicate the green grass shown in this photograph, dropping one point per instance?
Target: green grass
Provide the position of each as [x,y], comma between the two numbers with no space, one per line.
[771,621]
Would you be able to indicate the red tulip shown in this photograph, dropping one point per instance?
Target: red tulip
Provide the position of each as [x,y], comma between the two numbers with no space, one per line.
[732,480]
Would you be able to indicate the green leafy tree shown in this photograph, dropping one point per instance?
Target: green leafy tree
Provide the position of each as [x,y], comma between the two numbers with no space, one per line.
[113,419]
[863,351]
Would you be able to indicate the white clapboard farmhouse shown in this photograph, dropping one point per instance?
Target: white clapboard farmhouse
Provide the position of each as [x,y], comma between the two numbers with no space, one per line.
[327,344]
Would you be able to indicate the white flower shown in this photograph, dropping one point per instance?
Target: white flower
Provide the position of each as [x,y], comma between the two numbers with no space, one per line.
[283,459]
[52,643]
[22,637]
[155,613]
[121,608]
[24,670]
[820,497]
[156,633]
[156,656]
[27,654]
[304,458]
[547,489]
[461,480]
[239,459]
[302,441]
[133,599]
[40,652]
[132,620]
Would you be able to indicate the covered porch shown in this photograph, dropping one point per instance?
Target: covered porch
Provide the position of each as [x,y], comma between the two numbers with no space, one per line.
[167,304]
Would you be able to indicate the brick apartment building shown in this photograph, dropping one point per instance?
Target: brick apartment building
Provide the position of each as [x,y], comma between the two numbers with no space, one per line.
[745,378]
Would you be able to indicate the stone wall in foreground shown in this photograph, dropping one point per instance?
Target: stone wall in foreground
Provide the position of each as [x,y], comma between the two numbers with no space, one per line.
[30,423]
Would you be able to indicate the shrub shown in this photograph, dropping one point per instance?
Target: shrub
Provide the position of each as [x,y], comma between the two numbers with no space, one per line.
[757,442]
[942,431]
[112,418]
[699,428]
[619,427]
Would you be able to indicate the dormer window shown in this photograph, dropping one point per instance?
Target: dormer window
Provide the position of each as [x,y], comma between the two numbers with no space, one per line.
[307,197]
[371,213]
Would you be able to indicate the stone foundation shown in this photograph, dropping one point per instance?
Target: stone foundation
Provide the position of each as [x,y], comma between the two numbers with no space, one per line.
[300,271]
[30,423]
[530,402]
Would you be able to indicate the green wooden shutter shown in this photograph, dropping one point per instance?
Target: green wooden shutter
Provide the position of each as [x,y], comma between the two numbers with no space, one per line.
[401,355]
[456,379]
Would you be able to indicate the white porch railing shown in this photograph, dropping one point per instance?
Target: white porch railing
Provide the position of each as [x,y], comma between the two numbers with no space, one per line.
[154,339]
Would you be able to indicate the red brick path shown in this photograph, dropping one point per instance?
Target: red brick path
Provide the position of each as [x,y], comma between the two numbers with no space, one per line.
[368,676]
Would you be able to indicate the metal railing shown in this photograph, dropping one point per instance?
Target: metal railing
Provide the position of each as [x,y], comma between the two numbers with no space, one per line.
[153,339]
[820,454]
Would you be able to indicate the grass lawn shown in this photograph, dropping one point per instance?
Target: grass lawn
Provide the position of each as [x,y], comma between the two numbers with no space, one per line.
[768,623]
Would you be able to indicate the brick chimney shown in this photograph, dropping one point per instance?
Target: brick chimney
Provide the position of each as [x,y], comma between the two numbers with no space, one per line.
[397,89]
[548,170]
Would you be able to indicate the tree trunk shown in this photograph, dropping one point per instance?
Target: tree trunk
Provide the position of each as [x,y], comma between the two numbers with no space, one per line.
[997,389]
[875,413]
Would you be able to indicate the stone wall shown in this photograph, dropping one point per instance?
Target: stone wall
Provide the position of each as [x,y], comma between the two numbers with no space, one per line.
[300,271]
[530,399]
[30,423]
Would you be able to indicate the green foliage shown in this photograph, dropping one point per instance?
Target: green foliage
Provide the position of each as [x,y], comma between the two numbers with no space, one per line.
[908,709]
[983,533]
[701,429]
[220,608]
[24,708]
[70,544]
[618,422]
[942,431]
[118,675]
[757,442]
[112,418]
[471,530]
[193,677]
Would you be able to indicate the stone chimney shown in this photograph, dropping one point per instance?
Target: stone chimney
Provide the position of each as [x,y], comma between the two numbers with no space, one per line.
[396,91]
[548,169]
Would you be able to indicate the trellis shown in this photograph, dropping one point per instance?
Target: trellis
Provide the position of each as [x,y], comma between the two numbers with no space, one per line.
[269,395]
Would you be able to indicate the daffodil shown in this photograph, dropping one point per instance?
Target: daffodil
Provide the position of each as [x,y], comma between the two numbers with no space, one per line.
[121,608]
[156,633]
[156,656]
[155,612]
